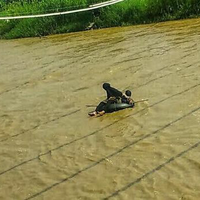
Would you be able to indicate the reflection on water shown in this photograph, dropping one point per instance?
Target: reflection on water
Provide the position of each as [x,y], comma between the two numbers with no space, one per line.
[51,149]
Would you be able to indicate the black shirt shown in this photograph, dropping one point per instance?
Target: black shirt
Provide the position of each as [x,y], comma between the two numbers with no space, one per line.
[112,92]
[125,99]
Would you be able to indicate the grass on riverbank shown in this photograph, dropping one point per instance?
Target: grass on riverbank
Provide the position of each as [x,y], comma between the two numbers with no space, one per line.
[126,13]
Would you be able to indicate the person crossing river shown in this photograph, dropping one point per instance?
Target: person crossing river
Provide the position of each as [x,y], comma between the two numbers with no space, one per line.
[115,100]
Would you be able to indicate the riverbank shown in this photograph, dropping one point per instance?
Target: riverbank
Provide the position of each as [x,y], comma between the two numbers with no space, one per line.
[129,12]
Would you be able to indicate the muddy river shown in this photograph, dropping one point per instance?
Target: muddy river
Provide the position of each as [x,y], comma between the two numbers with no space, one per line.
[51,150]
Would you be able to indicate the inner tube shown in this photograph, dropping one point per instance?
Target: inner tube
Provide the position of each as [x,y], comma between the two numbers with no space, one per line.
[118,106]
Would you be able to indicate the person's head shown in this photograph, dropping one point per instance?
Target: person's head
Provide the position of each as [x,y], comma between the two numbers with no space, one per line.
[128,93]
[106,86]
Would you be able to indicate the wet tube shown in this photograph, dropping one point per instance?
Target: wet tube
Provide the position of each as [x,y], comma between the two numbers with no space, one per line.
[118,106]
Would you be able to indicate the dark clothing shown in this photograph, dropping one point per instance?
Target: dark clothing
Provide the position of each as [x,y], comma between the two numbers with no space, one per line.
[104,105]
[101,106]
[112,105]
[124,99]
[113,96]
[112,92]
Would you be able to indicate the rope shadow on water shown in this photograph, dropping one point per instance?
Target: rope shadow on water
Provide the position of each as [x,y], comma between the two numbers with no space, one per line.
[148,82]
[95,132]
[159,167]
[37,126]
[163,76]
[33,128]
[24,84]
[118,152]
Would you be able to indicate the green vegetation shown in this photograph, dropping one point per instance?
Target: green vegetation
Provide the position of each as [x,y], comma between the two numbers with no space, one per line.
[126,13]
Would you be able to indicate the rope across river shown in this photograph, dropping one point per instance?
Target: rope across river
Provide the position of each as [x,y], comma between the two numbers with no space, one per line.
[90,7]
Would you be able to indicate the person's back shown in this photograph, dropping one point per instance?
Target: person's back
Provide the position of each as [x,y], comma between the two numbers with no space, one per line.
[112,92]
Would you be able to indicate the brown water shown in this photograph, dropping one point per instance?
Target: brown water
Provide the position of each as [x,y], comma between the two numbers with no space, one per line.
[51,149]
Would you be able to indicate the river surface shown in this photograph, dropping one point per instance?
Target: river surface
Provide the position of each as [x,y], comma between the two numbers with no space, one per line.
[51,150]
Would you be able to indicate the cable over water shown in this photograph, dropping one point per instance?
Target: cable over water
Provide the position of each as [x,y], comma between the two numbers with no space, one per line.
[90,7]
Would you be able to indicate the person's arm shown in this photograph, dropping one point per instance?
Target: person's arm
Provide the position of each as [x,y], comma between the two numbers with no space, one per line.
[131,101]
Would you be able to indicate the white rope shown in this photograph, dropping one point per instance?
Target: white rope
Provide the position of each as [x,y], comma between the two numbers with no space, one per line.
[91,7]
